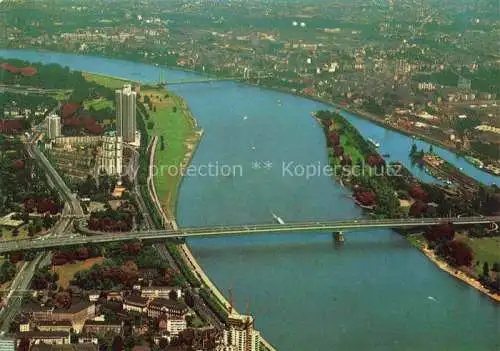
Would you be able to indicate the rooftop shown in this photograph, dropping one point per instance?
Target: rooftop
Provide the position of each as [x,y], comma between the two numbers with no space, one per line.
[160,302]
[136,300]
[63,323]
[43,334]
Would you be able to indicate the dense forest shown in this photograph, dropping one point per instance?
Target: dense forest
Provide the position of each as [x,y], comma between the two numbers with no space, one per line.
[52,76]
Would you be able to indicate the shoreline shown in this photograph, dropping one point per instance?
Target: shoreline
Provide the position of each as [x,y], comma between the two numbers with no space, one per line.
[472,282]
[458,274]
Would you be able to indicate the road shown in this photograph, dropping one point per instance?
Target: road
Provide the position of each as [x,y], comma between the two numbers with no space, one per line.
[23,278]
[199,304]
[22,89]
[20,284]
[287,228]
[56,179]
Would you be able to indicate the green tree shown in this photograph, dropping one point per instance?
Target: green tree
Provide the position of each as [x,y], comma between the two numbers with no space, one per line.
[486,269]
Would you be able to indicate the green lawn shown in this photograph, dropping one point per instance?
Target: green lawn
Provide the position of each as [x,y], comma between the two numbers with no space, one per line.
[417,240]
[350,149]
[98,104]
[177,129]
[346,142]
[110,82]
[485,249]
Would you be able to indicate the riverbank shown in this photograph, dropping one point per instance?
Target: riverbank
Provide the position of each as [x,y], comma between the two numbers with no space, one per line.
[337,129]
[458,274]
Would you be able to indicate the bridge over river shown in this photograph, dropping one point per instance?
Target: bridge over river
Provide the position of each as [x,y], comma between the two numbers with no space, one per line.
[284,228]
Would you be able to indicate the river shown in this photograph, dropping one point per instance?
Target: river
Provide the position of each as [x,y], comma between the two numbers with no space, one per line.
[374,293]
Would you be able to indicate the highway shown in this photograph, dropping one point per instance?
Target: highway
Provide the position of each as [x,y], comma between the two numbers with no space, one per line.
[22,89]
[56,179]
[20,283]
[287,228]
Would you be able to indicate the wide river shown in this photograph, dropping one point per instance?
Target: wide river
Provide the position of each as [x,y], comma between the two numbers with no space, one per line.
[374,293]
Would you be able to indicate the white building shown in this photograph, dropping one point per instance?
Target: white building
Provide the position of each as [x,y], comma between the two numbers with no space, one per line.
[7,344]
[54,126]
[135,303]
[111,159]
[126,113]
[176,326]
[241,335]
[161,291]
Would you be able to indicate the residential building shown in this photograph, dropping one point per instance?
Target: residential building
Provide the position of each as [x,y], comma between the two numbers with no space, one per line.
[88,339]
[93,327]
[7,344]
[135,303]
[93,296]
[62,325]
[78,312]
[241,335]
[112,155]
[45,337]
[161,291]
[24,326]
[54,126]
[168,308]
[114,296]
[66,347]
[126,113]
[175,326]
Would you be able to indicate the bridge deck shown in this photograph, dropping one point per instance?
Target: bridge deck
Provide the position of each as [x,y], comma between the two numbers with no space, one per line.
[342,225]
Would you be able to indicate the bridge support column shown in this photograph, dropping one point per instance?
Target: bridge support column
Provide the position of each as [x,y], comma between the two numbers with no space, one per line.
[338,237]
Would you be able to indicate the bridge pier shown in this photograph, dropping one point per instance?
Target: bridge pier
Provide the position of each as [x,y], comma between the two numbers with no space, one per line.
[338,237]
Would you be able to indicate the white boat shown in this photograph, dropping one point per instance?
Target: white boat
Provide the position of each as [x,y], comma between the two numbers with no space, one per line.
[278,219]
[373,142]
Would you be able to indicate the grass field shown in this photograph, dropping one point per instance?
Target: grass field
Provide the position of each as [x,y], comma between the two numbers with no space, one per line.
[179,132]
[110,82]
[67,272]
[485,249]
[98,104]
[350,149]
[346,142]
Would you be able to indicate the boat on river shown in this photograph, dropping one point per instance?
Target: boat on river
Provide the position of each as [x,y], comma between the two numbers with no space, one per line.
[278,219]
[373,142]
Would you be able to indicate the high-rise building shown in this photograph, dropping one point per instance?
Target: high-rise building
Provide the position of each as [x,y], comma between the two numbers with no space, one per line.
[125,113]
[241,335]
[7,344]
[112,155]
[54,126]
